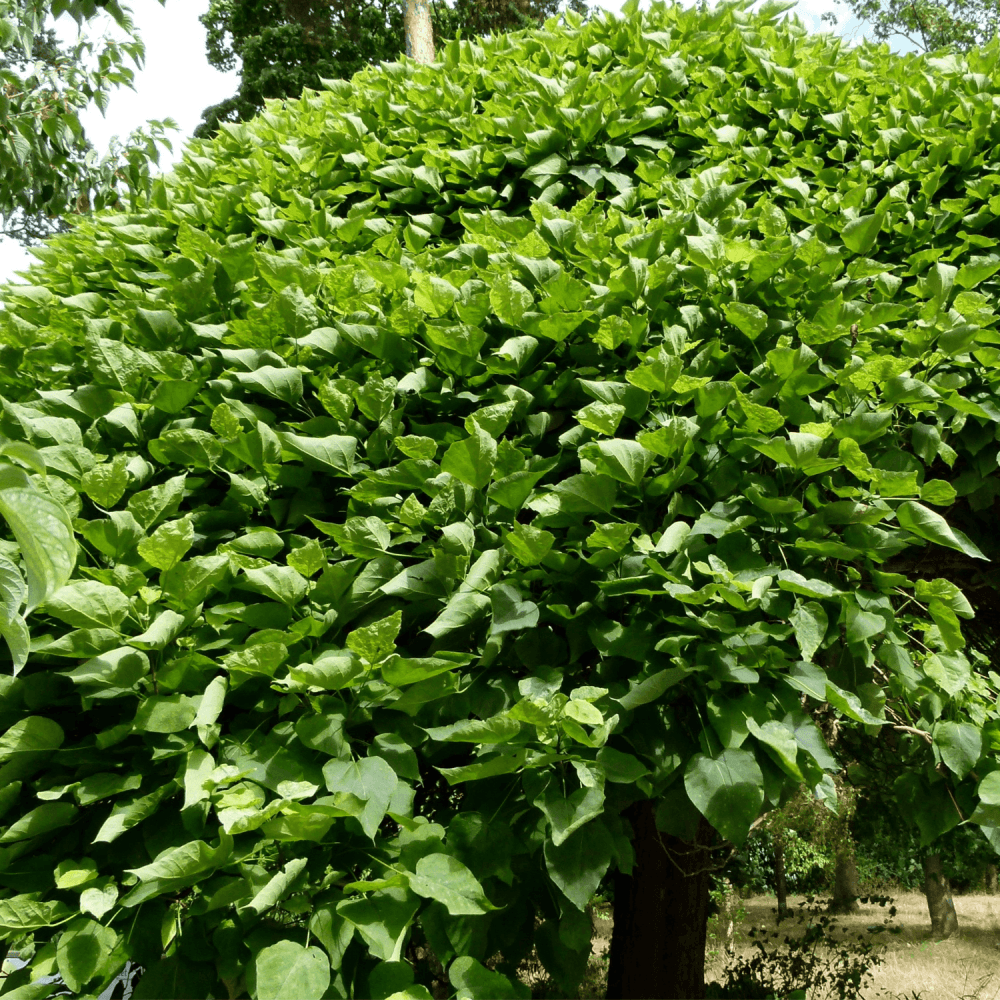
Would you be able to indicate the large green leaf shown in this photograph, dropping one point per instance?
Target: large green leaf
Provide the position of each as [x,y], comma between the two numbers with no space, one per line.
[859,234]
[371,779]
[626,461]
[800,451]
[529,545]
[176,867]
[497,729]
[165,548]
[334,453]
[568,813]
[281,583]
[779,739]
[166,714]
[510,299]
[727,789]
[473,981]
[43,532]
[988,793]
[156,504]
[127,813]
[472,460]
[928,805]
[162,630]
[751,319]
[810,623]
[31,735]
[446,879]
[287,970]
[89,604]
[470,601]
[42,819]
[960,745]
[85,951]
[376,641]
[510,613]
[187,446]
[579,862]
[23,913]
[926,523]
[282,383]
[382,918]
[585,494]
[12,591]
[105,484]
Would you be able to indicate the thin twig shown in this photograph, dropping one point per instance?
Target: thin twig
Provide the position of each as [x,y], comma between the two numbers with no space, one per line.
[916,732]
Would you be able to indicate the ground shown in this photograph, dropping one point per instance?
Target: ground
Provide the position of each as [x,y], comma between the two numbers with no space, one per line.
[913,967]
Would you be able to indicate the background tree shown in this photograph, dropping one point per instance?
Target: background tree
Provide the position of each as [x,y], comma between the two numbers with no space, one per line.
[928,24]
[807,815]
[288,45]
[921,797]
[48,168]
[26,226]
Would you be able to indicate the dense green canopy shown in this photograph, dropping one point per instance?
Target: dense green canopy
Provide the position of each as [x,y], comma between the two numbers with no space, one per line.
[457,455]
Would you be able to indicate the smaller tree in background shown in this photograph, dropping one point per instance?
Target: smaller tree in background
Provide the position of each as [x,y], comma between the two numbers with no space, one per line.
[923,835]
[808,816]
[48,168]
[928,24]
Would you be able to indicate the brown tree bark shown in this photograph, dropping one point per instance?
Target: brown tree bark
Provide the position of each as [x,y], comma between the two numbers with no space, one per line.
[990,878]
[845,886]
[660,913]
[944,919]
[779,875]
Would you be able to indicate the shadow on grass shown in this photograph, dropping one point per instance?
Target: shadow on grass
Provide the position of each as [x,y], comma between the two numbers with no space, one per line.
[912,965]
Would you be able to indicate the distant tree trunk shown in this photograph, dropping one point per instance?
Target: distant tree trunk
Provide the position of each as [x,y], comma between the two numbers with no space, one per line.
[990,878]
[419,33]
[944,919]
[727,917]
[779,875]
[661,913]
[845,886]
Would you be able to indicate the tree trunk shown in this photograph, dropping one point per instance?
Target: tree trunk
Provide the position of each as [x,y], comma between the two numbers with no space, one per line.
[845,887]
[727,917]
[660,913]
[990,879]
[944,919]
[418,30]
[779,875]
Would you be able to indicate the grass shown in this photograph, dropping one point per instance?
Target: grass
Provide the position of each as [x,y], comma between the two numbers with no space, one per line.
[913,966]
[966,965]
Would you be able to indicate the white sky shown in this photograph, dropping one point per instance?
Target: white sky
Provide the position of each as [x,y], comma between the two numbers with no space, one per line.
[177,82]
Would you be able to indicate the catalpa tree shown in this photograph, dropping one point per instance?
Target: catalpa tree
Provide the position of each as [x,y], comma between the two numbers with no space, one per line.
[473,481]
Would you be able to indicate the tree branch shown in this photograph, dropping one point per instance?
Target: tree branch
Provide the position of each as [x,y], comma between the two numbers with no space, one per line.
[920,24]
[916,732]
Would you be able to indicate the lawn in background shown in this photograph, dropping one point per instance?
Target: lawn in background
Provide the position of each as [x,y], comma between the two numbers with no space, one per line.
[966,965]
